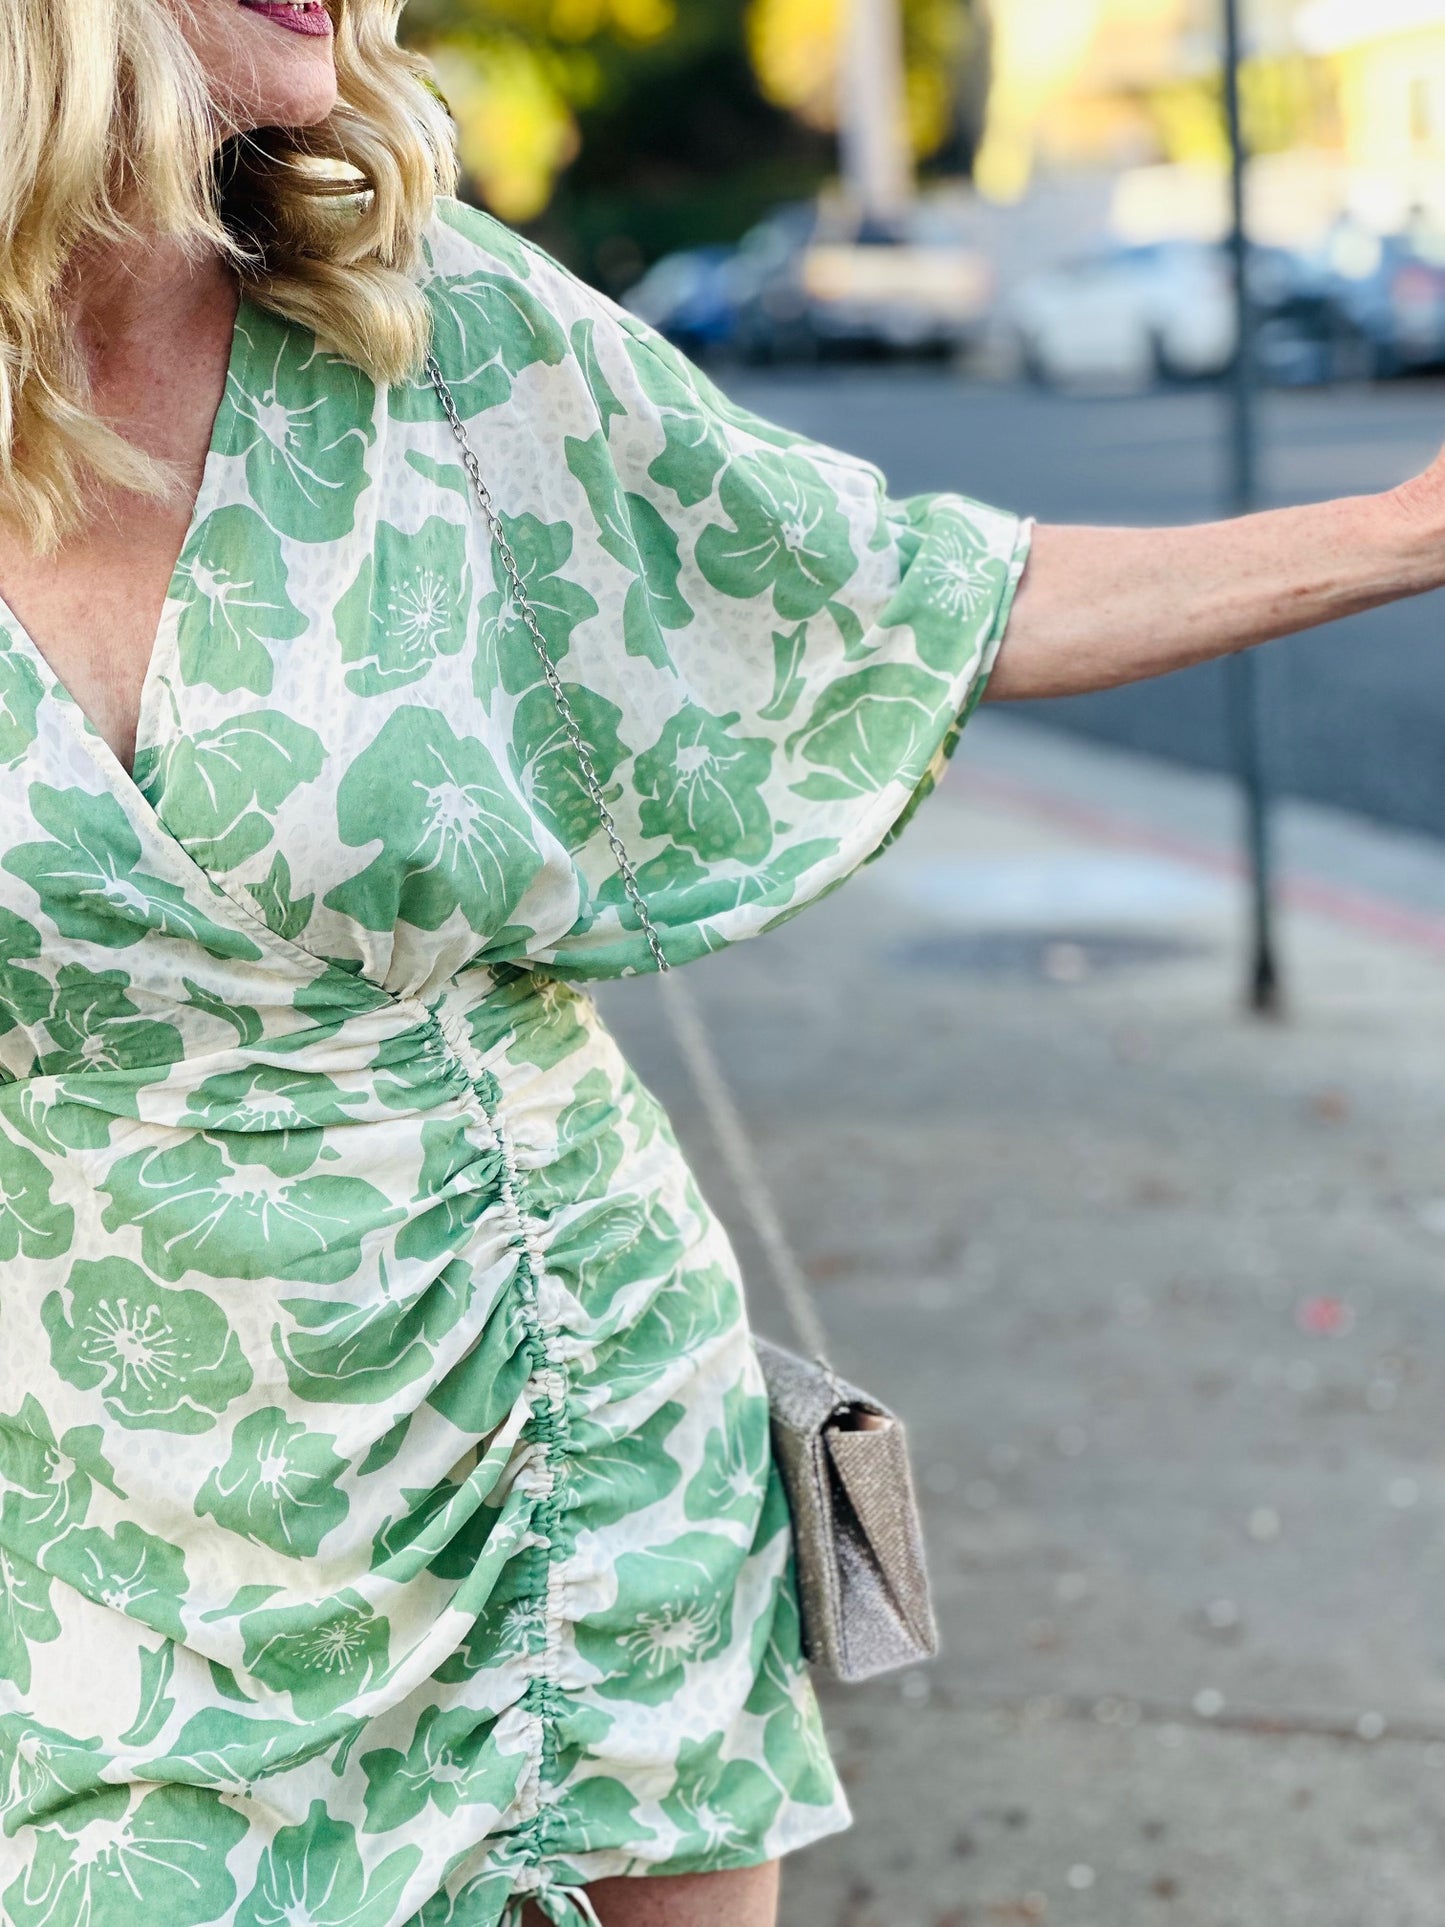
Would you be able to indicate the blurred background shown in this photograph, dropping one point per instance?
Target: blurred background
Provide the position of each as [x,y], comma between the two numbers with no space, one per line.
[1157,1282]
[986,244]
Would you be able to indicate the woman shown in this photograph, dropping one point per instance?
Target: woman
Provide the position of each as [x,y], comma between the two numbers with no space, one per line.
[387,1528]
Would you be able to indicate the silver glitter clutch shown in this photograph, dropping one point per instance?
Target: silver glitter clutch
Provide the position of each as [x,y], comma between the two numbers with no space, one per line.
[862,1582]
[842,1456]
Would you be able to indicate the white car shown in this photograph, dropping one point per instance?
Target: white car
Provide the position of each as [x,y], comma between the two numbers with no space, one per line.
[1127,318]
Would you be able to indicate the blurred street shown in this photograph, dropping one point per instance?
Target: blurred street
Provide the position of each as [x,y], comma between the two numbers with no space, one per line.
[1156,1285]
[1158,1291]
[1355,715]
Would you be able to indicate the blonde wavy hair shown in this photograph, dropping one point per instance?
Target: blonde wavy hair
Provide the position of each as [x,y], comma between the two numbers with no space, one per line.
[106,133]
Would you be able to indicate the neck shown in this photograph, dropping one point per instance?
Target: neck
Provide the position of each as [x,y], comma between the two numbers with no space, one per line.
[134,296]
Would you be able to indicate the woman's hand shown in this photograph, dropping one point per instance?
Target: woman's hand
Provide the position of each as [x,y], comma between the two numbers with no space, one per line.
[1101,607]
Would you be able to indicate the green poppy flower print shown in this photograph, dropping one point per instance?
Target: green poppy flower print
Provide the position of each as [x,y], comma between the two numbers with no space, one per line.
[50,1480]
[719,1806]
[617,1477]
[868,730]
[26,1615]
[495,243]
[21,693]
[407,605]
[545,1022]
[218,789]
[702,785]
[32,1224]
[695,893]
[232,589]
[962,576]
[696,449]
[462,1178]
[790,650]
[304,421]
[157,1668]
[90,879]
[322,1655]
[452,1762]
[271,1115]
[279,1486]
[43,1770]
[789,536]
[454,839]
[633,531]
[589,1146]
[231,1751]
[545,763]
[128,1571]
[597,1813]
[488,328]
[506,653]
[161,1360]
[619,1246]
[314,1874]
[584,347]
[24,993]
[672,1610]
[733,1476]
[644,344]
[127,1855]
[94,1024]
[361,1355]
[795,1746]
[695,1308]
[284,912]
[197,1210]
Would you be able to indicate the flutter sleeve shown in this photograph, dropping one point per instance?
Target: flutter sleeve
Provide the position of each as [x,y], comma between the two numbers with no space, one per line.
[785,655]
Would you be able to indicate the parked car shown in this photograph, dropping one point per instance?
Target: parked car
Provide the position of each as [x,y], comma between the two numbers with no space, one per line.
[805,287]
[1131,316]
[1392,289]
[688,296]
[771,303]
[1127,316]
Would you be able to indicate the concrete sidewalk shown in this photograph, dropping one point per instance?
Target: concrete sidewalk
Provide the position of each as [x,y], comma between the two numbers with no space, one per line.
[1159,1290]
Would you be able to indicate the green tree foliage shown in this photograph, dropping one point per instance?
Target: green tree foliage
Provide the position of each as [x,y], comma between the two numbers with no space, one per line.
[668,140]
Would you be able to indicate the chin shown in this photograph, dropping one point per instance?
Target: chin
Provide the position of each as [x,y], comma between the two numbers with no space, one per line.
[260,75]
[302,107]
[276,107]
[300,103]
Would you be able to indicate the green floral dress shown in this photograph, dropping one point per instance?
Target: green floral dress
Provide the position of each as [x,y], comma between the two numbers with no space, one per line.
[388,1531]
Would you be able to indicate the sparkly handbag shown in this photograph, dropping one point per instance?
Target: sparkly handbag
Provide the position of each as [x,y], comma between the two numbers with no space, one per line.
[862,1581]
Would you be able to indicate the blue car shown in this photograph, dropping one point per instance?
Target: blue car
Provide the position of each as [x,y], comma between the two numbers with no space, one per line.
[688,297]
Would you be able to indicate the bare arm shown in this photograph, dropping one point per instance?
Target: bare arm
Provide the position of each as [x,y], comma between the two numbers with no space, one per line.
[1100,607]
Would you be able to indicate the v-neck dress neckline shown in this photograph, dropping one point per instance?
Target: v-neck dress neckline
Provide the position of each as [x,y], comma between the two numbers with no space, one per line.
[161,659]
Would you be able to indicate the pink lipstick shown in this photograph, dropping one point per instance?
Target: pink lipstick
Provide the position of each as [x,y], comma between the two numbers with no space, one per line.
[297,16]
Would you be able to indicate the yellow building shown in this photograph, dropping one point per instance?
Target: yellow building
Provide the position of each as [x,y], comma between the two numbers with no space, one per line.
[1344,98]
[1387,62]
[1119,83]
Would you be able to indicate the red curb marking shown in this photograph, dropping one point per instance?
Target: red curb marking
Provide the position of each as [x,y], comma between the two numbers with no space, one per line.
[1376,915]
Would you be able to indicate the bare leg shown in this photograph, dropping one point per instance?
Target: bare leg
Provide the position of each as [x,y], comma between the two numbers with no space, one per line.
[745,1898]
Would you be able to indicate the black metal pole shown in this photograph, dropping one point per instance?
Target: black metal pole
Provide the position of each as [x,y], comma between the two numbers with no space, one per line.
[1242,671]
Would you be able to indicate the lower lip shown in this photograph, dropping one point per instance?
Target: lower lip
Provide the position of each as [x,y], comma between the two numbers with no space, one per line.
[315,22]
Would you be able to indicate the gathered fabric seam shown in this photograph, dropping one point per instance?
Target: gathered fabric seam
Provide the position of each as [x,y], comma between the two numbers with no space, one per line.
[546,1390]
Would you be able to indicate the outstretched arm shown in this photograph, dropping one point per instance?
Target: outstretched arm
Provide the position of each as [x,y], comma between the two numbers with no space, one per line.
[1099,607]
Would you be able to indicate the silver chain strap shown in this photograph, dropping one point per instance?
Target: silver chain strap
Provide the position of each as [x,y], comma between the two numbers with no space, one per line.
[549,669]
[693,1042]
[725,1121]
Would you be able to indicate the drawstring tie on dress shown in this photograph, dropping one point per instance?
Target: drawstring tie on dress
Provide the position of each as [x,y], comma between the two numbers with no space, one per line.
[563,1906]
